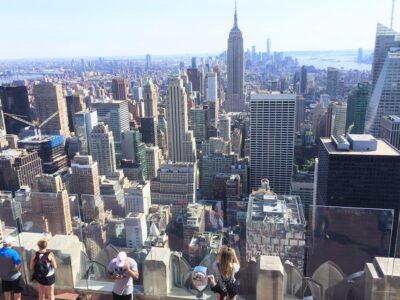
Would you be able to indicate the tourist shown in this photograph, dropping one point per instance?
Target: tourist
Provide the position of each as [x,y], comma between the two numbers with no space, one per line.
[123,270]
[10,274]
[43,265]
[224,282]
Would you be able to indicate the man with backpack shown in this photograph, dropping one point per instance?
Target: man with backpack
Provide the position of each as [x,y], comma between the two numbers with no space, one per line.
[43,265]
[10,274]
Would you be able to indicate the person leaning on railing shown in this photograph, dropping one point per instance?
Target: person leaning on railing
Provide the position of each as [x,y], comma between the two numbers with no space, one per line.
[10,266]
[224,282]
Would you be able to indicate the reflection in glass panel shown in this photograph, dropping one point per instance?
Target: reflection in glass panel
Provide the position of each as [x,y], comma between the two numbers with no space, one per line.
[347,238]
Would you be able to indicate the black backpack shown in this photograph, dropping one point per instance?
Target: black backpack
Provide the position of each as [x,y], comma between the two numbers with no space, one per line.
[41,267]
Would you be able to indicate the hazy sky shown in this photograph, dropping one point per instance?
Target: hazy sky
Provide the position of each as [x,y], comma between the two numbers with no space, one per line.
[74,28]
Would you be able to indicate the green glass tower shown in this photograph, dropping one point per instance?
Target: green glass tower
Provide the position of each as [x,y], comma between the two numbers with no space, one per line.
[356,107]
[134,149]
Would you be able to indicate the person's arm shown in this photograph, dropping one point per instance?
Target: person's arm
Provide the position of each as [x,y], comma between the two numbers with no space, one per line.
[53,261]
[32,262]
[235,259]
[132,270]
[110,271]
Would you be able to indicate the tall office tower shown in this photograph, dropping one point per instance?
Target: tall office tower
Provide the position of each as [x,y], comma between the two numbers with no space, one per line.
[75,103]
[148,129]
[137,198]
[272,125]
[181,143]
[136,230]
[359,171]
[357,102]
[175,184]
[303,80]
[14,100]
[112,195]
[195,76]
[102,149]
[237,142]
[50,205]
[385,95]
[275,232]
[84,123]
[253,54]
[85,175]
[332,78]
[209,166]
[134,149]
[212,87]
[226,187]
[198,124]
[339,123]
[385,39]
[324,100]
[268,47]
[153,155]
[116,115]
[390,130]
[150,98]
[194,63]
[50,150]
[360,55]
[234,101]
[48,100]
[18,167]
[119,89]
[300,112]
[137,94]
[225,127]
[148,61]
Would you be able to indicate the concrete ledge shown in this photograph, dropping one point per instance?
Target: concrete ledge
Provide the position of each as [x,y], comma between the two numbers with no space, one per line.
[157,272]
[270,279]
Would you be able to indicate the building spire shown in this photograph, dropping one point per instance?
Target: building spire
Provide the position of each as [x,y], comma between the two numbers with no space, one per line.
[235,25]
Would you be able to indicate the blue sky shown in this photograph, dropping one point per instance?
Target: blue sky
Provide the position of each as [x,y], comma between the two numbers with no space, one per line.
[75,28]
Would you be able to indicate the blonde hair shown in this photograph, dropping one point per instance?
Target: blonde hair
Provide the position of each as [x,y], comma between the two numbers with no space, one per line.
[42,244]
[226,260]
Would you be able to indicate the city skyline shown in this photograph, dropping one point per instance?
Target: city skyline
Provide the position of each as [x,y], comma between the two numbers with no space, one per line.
[132,28]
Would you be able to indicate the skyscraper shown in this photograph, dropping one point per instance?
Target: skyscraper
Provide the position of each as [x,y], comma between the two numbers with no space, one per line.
[332,78]
[385,39]
[181,143]
[272,125]
[116,115]
[153,155]
[75,103]
[385,95]
[134,149]
[357,102]
[150,98]
[212,87]
[84,123]
[359,171]
[148,61]
[390,130]
[85,176]
[48,100]
[50,205]
[119,89]
[102,149]
[225,127]
[18,167]
[197,123]
[235,90]
[303,80]
[14,100]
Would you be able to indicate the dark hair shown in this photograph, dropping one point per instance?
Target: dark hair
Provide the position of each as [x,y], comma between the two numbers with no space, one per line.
[82,297]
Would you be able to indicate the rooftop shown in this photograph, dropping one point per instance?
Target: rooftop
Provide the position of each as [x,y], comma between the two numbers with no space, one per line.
[382,149]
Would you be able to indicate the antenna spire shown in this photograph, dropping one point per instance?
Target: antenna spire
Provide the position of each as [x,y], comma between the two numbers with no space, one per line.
[235,25]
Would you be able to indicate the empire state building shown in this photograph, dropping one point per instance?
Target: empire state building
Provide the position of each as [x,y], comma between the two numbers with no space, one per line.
[235,96]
